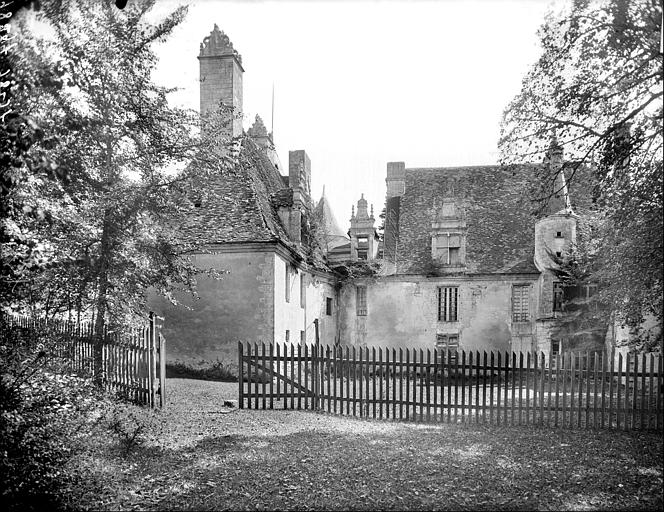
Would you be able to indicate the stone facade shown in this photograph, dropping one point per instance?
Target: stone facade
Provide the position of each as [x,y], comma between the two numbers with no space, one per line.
[466,239]
[463,262]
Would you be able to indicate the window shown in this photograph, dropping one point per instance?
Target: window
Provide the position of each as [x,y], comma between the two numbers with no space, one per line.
[287,335]
[362,247]
[361,301]
[447,344]
[559,234]
[328,306]
[448,249]
[288,284]
[555,347]
[303,291]
[448,299]
[557,296]
[521,303]
[559,254]
[303,337]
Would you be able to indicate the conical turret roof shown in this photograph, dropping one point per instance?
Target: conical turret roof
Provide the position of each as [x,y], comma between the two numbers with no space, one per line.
[334,235]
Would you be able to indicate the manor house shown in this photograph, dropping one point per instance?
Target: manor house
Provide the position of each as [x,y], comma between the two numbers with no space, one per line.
[462,263]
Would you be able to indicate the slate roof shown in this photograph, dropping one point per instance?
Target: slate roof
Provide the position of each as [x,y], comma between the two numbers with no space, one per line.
[500,226]
[241,205]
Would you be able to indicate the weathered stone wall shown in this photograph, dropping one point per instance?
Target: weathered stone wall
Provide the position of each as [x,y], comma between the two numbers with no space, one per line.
[403,312]
[239,307]
[291,315]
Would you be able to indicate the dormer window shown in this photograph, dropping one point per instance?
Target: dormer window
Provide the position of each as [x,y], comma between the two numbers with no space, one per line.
[362,247]
[447,249]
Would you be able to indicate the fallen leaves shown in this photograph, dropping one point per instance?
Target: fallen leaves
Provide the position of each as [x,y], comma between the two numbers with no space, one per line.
[278,460]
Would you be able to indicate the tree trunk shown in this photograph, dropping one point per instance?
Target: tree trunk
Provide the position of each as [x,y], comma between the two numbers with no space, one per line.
[101,305]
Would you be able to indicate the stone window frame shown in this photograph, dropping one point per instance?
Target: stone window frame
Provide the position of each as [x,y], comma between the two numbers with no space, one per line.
[303,291]
[361,300]
[287,283]
[438,251]
[448,303]
[521,314]
[447,343]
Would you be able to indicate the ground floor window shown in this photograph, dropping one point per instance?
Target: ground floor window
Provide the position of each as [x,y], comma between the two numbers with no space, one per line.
[447,346]
[361,301]
[448,301]
[520,303]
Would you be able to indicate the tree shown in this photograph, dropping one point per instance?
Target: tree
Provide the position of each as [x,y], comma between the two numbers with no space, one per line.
[598,88]
[129,159]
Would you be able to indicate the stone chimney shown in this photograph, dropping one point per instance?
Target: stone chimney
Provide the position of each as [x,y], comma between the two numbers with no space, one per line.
[553,160]
[299,177]
[221,77]
[396,179]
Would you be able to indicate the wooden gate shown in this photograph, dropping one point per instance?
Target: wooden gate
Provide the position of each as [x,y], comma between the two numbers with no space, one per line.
[572,390]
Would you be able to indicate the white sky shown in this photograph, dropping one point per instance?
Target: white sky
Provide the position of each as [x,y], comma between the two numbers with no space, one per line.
[359,84]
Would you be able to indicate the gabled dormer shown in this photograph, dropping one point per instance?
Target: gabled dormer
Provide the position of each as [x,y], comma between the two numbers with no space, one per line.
[448,233]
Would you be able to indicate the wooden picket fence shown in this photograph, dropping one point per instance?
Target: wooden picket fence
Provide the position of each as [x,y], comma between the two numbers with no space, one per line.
[133,361]
[572,390]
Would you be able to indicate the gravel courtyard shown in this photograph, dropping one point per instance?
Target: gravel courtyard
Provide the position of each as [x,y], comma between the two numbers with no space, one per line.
[205,456]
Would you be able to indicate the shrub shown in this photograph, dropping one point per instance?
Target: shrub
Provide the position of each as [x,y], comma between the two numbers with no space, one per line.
[206,370]
[132,425]
[42,416]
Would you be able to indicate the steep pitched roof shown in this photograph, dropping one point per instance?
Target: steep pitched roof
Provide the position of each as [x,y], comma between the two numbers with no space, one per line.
[334,235]
[497,212]
[237,203]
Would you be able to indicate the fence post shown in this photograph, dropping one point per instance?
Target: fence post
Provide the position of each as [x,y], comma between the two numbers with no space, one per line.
[152,360]
[317,371]
[240,372]
[162,371]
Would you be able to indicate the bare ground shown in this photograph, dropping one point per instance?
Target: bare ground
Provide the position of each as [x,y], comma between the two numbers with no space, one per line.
[204,456]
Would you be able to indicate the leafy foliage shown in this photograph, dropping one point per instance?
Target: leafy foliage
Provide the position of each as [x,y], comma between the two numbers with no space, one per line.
[104,168]
[131,425]
[204,370]
[349,270]
[598,87]
[43,414]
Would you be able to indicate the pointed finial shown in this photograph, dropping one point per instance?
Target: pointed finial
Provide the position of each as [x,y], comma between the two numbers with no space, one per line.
[352,211]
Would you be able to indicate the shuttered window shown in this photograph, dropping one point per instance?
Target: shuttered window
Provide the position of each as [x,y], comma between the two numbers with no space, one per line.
[448,301]
[521,303]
